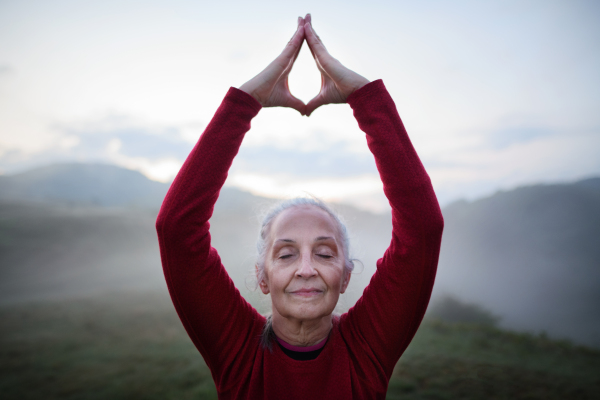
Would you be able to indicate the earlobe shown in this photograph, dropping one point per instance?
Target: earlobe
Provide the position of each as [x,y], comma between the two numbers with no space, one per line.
[346,281]
[264,287]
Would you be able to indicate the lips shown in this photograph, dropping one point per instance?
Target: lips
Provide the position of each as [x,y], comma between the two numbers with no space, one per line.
[306,292]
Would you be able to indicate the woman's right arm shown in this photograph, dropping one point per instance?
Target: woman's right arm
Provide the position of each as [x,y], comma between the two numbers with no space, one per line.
[211,309]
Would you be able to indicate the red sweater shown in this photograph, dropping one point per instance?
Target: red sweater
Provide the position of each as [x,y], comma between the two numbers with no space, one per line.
[367,341]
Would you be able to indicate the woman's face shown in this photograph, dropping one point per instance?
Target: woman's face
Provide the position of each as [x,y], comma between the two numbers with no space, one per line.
[304,268]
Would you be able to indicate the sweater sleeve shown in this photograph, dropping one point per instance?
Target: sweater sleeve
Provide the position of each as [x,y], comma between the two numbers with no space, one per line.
[217,318]
[386,317]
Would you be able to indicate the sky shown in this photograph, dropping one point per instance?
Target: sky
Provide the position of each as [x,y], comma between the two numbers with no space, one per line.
[494,94]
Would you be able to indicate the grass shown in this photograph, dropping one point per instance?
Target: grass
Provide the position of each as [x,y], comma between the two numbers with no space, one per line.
[134,347]
[470,361]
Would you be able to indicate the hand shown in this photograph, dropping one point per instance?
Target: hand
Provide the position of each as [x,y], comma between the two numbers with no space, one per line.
[337,81]
[270,87]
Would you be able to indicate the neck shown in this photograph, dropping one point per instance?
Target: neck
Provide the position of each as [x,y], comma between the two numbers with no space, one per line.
[299,332]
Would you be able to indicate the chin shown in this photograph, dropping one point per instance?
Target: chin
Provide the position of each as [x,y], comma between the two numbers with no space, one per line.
[310,314]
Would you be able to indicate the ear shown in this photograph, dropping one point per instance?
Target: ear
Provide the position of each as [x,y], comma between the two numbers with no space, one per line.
[346,281]
[264,287]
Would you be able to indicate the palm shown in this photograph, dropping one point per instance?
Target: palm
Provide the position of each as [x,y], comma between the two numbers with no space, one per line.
[330,93]
[281,95]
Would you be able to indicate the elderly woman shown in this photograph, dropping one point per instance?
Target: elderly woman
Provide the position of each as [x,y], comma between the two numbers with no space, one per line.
[303,351]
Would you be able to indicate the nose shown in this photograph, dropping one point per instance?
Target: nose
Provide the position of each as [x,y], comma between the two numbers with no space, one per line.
[305,269]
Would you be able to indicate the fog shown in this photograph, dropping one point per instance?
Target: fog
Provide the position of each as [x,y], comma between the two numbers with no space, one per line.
[528,256]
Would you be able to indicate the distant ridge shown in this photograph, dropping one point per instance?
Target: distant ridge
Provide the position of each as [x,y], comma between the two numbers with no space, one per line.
[101,185]
[94,184]
[531,255]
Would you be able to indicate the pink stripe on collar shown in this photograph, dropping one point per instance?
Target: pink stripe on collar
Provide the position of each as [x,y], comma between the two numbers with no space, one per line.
[303,349]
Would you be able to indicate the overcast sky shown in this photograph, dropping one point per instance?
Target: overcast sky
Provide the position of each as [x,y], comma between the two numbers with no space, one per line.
[494,94]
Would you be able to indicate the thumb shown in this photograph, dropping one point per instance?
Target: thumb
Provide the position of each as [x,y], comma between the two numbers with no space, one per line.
[296,104]
[315,103]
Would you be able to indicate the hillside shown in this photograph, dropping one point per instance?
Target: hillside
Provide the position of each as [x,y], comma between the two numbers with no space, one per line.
[90,184]
[133,346]
[530,255]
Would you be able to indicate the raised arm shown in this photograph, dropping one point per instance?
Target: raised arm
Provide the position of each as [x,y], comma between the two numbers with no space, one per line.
[206,300]
[218,320]
[384,320]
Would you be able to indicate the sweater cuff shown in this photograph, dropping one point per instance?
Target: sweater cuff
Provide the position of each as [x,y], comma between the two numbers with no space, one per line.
[242,98]
[371,89]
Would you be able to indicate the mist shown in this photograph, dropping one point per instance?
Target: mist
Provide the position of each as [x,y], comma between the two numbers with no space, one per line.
[529,256]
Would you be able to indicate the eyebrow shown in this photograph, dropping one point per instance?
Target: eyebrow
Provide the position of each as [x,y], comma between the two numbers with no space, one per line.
[285,240]
[318,239]
[321,238]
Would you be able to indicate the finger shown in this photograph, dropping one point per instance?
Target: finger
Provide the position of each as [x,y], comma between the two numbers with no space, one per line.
[293,45]
[296,104]
[293,101]
[307,20]
[300,23]
[314,103]
[290,64]
[316,46]
[282,62]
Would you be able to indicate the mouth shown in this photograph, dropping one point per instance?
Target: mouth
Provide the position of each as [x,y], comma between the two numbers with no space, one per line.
[310,292]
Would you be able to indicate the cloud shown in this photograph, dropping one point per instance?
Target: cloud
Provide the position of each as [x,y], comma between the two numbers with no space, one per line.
[505,137]
[502,158]
[331,161]
[133,142]
[364,190]
[6,69]
[157,151]
[476,172]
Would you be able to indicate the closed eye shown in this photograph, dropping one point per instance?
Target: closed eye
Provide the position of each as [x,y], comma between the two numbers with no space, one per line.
[285,256]
[324,256]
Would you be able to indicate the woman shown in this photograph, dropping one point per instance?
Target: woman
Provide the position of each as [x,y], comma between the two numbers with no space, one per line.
[304,261]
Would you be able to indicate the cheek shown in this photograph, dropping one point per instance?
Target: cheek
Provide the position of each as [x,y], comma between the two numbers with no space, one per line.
[276,279]
[334,278]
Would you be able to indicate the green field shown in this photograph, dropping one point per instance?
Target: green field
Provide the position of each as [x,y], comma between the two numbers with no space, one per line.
[134,347]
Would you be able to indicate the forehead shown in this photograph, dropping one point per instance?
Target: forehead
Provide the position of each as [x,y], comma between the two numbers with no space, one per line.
[303,220]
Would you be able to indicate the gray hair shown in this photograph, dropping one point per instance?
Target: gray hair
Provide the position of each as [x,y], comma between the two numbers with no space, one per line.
[263,243]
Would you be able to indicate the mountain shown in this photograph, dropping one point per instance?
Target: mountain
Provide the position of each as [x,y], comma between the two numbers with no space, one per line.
[530,256]
[92,184]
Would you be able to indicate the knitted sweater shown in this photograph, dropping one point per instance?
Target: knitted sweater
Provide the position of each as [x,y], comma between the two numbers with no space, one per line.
[366,342]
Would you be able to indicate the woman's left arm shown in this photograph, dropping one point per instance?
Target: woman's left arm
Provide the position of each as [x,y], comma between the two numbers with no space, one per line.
[385,319]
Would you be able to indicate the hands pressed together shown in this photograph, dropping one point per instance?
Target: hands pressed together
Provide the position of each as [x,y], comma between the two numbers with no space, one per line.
[271,89]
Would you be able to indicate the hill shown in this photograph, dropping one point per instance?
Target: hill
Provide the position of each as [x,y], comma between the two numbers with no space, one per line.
[90,184]
[531,255]
[133,346]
